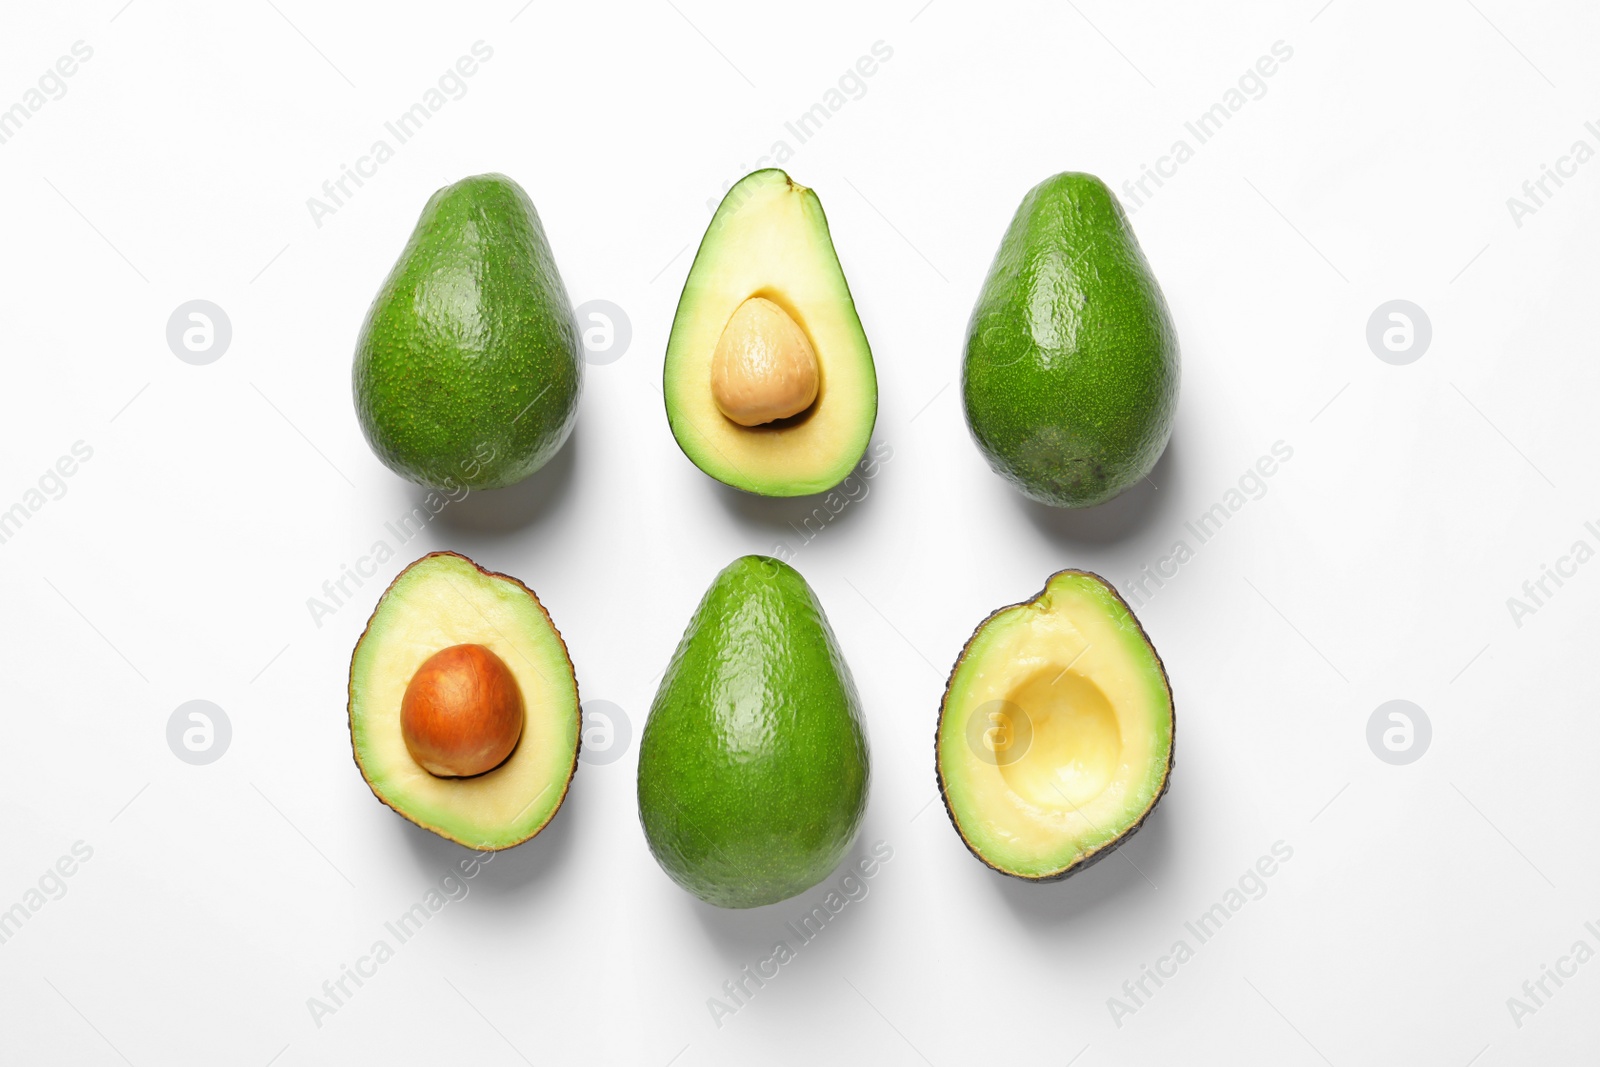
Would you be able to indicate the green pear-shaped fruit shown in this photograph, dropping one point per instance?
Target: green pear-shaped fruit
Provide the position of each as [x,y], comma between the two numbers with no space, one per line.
[753,765]
[469,364]
[1071,371]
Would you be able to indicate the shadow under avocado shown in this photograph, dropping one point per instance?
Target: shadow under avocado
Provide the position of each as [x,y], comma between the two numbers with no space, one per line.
[800,517]
[509,873]
[1120,875]
[744,935]
[516,507]
[1128,515]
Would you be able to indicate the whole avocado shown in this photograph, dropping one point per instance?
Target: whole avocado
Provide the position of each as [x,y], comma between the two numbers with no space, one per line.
[753,765]
[469,364]
[1070,379]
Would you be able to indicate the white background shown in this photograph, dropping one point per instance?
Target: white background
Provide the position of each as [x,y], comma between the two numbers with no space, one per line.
[1377,565]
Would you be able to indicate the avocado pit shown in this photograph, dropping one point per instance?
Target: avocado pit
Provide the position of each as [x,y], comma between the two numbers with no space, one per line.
[764,367]
[462,712]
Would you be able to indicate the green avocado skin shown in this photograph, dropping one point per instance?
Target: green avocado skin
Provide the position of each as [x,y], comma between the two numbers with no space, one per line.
[753,764]
[469,364]
[1070,379]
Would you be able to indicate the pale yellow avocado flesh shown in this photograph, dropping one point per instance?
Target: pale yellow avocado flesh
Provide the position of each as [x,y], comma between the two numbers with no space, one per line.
[442,600]
[1074,726]
[769,238]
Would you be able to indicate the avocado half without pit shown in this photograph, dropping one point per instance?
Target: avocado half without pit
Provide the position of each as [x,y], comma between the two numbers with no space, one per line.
[1055,736]
[464,711]
[769,381]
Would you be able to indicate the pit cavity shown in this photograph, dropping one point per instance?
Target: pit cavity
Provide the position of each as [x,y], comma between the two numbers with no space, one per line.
[1074,739]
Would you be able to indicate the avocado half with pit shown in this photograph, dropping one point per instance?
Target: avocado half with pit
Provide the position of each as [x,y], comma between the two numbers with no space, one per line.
[1055,736]
[769,381]
[464,709]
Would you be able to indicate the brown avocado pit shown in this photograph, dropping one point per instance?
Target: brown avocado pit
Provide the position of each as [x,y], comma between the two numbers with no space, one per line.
[462,712]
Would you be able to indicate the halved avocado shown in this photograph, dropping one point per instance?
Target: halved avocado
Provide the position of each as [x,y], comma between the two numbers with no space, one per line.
[1055,735]
[769,241]
[454,654]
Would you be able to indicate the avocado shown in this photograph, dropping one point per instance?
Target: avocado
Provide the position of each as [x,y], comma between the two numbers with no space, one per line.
[469,364]
[464,710]
[1070,379]
[769,382]
[1055,735]
[753,762]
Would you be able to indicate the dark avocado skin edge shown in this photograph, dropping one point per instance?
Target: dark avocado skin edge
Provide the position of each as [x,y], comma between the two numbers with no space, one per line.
[350,708]
[1085,862]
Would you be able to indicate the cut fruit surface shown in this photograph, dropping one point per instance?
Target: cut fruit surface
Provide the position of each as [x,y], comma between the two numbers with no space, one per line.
[768,250]
[1055,737]
[438,604]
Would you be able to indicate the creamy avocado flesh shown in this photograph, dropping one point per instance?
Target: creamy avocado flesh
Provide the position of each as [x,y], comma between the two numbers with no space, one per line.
[1055,738]
[766,272]
[445,608]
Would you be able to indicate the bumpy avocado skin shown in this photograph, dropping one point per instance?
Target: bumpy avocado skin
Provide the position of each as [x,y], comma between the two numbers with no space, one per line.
[753,765]
[469,364]
[1070,379]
